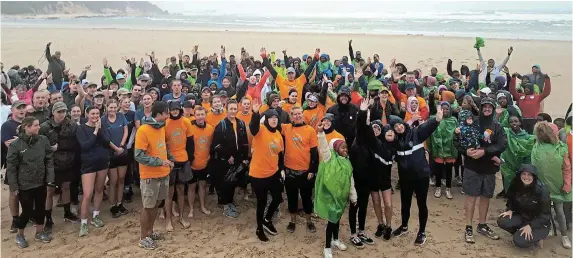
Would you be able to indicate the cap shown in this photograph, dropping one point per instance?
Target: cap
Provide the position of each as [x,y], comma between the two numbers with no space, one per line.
[215,71]
[487,100]
[98,94]
[312,98]
[485,90]
[58,106]
[188,104]
[18,104]
[85,82]
[257,72]
[92,85]
[500,95]
[154,89]
[122,91]
[119,76]
[410,86]
[206,89]
[194,68]
[222,93]
[191,95]
[329,117]
[144,77]
[291,70]
[174,104]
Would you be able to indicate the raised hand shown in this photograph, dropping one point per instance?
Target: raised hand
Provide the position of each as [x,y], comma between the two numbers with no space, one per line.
[510,50]
[317,53]
[350,42]
[284,52]
[439,113]
[256,106]
[141,62]
[104,62]
[132,60]
[180,55]
[324,78]
[263,52]
[369,60]
[358,73]
[320,127]
[223,51]
[87,68]
[364,104]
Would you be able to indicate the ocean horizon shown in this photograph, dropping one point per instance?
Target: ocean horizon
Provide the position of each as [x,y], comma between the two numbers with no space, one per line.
[527,25]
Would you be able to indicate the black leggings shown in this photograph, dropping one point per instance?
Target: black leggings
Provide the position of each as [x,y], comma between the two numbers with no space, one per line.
[293,185]
[35,197]
[459,166]
[331,232]
[441,169]
[408,188]
[361,208]
[261,187]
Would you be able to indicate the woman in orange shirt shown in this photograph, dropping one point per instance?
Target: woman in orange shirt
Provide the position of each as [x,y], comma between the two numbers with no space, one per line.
[266,163]
[291,101]
[217,111]
[328,129]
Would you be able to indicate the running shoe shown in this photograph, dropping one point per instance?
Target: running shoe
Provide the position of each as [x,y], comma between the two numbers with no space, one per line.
[114,210]
[147,243]
[327,252]
[71,218]
[387,233]
[291,227]
[43,237]
[365,239]
[311,227]
[261,235]
[156,236]
[97,222]
[400,231]
[469,235]
[380,231]
[486,231]
[420,239]
[356,242]
[83,229]
[438,192]
[14,227]
[268,226]
[122,210]
[566,242]
[21,241]
[449,194]
[48,226]
[338,244]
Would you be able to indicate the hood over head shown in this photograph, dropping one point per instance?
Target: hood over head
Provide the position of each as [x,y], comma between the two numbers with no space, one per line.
[151,121]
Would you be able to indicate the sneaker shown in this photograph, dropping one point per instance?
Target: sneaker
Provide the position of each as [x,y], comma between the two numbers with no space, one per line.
[356,242]
[14,227]
[268,226]
[234,207]
[114,210]
[83,229]
[43,237]
[71,218]
[327,252]
[310,227]
[21,241]
[387,233]
[458,181]
[291,227]
[449,194]
[462,191]
[486,231]
[420,239]
[400,231]
[365,239]
[341,246]
[438,192]
[380,231]
[74,209]
[147,243]
[432,181]
[229,212]
[156,236]
[470,235]
[48,226]
[566,242]
[122,210]
[261,235]
[97,222]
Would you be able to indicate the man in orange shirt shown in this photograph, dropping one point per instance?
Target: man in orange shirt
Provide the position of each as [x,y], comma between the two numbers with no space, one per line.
[301,162]
[154,168]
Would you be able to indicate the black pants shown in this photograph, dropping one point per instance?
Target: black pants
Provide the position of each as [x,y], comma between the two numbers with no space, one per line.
[263,186]
[408,188]
[33,202]
[568,212]
[331,232]
[295,184]
[225,190]
[528,124]
[459,166]
[442,169]
[361,208]
[514,224]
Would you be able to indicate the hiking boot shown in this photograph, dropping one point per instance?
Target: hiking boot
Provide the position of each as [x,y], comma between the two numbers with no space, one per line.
[566,242]
[147,243]
[71,218]
[261,235]
[387,233]
[365,238]
[311,227]
[338,244]
[48,226]
[420,239]
[83,229]
[21,241]
[380,231]
[449,194]
[438,192]
[356,242]
[400,231]
[97,222]
[43,237]
[122,210]
[114,210]
[291,227]
[268,226]
[469,235]
[486,231]
[229,212]
[14,227]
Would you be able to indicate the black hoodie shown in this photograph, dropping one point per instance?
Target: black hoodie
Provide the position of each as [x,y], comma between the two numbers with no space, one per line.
[345,116]
[410,153]
[531,202]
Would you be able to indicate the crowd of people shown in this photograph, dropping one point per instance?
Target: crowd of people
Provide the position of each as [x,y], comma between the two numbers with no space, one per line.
[327,131]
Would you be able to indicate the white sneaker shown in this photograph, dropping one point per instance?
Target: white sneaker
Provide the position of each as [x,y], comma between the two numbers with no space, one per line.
[341,246]
[449,194]
[438,192]
[566,242]
[432,181]
[327,253]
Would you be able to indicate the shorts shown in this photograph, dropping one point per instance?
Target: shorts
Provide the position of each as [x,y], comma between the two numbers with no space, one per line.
[153,190]
[475,184]
[93,166]
[200,175]
[381,181]
[118,161]
[65,175]
[181,173]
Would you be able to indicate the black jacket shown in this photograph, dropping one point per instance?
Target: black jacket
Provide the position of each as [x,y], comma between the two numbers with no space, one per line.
[64,135]
[410,153]
[376,110]
[29,162]
[534,205]
[345,116]
[225,145]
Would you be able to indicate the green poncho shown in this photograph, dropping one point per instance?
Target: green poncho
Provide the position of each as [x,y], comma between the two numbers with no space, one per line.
[441,143]
[504,117]
[332,187]
[548,158]
[518,152]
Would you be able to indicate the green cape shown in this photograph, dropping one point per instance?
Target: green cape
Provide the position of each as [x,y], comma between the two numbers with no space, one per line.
[332,187]
[518,152]
[548,158]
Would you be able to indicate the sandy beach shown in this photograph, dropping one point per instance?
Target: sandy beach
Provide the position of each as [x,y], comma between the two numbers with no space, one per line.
[218,236]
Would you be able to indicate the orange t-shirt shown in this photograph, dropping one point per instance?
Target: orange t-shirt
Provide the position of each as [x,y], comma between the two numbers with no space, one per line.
[263,108]
[247,120]
[312,117]
[329,102]
[333,135]
[152,142]
[202,137]
[267,146]
[287,106]
[207,107]
[176,133]
[213,119]
[285,85]
[298,142]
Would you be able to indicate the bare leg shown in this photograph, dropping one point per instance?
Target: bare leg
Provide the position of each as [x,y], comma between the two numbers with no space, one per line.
[483,208]
[120,182]
[470,207]
[88,181]
[112,195]
[65,193]
[191,198]
[168,205]
[387,199]
[180,188]
[202,194]
[376,201]
[99,184]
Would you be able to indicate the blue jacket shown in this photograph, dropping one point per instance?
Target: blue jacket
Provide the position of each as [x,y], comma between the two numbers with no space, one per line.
[222,74]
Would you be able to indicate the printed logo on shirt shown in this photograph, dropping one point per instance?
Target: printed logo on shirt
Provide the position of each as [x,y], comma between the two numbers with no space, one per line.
[314,120]
[274,148]
[177,136]
[161,146]
[203,142]
[297,139]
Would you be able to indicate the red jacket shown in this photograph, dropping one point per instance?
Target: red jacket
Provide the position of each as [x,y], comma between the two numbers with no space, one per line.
[529,104]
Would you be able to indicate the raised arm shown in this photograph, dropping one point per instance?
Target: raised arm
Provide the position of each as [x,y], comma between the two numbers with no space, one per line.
[255,123]
[48,54]
[350,51]
[483,65]
[504,62]
[547,88]
[310,67]
[516,95]
[267,64]
[449,68]
[323,148]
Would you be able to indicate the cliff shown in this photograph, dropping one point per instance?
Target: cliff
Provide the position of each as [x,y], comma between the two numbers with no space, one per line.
[96,8]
